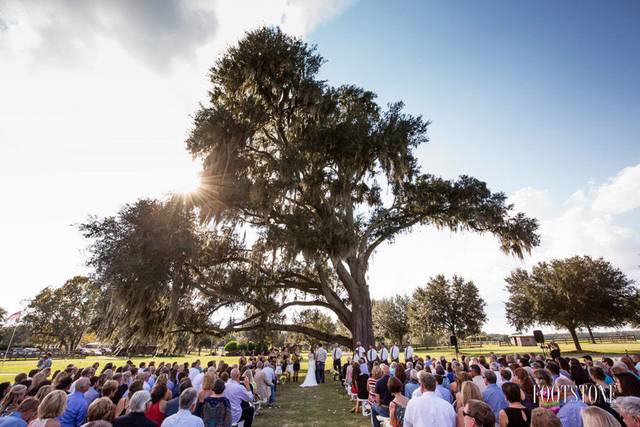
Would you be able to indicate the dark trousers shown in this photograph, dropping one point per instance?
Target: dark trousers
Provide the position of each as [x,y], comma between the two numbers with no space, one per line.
[247,414]
[320,372]
[337,366]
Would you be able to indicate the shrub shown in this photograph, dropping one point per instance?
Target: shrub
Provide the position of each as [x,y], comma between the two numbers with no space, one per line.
[231,346]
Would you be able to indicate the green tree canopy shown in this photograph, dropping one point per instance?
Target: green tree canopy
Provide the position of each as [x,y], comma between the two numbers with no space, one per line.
[62,315]
[320,175]
[571,293]
[390,320]
[324,175]
[452,307]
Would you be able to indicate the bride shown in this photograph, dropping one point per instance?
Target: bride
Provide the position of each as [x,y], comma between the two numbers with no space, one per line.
[310,379]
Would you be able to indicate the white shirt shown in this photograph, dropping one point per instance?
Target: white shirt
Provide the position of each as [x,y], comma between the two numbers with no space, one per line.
[479,381]
[196,382]
[336,353]
[408,353]
[321,354]
[183,418]
[360,351]
[429,410]
[193,372]
[372,355]
[384,354]
[395,352]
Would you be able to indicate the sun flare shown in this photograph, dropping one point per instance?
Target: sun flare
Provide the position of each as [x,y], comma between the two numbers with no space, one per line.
[187,181]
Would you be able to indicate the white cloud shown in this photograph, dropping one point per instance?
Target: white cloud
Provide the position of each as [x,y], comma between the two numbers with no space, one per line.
[620,194]
[578,226]
[95,104]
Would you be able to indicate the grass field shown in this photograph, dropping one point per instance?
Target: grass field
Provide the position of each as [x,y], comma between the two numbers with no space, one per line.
[325,405]
[10,368]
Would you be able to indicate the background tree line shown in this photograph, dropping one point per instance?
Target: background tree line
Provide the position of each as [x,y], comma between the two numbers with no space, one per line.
[577,293]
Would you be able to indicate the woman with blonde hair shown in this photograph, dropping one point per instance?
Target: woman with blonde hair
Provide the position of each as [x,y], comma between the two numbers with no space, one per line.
[208,381]
[541,417]
[376,374]
[597,417]
[469,391]
[51,407]
[101,409]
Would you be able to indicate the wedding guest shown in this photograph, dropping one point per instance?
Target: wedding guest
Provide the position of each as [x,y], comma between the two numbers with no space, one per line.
[542,417]
[596,417]
[184,416]
[429,409]
[399,403]
[158,408]
[237,394]
[629,409]
[101,409]
[50,409]
[469,392]
[217,408]
[478,414]
[138,404]
[492,395]
[27,411]
[75,413]
[383,397]
[516,414]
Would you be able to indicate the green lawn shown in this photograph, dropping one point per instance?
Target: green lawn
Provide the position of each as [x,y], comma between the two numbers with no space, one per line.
[325,405]
[9,369]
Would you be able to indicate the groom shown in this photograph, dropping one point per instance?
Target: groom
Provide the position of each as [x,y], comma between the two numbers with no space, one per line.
[321,357]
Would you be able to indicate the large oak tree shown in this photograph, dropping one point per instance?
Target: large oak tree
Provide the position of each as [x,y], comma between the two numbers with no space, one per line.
[325,175]
[318,176]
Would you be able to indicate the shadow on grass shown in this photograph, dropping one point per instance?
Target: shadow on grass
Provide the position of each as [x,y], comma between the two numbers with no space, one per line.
[324,405]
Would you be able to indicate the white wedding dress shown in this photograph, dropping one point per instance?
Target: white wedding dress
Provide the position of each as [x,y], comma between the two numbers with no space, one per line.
[310,379]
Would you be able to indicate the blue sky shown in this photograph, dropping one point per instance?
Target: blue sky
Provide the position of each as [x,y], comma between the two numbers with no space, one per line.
[542,94]
[539,99]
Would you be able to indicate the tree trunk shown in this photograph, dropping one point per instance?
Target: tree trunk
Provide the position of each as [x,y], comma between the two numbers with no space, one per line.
[572,331]
[362,320]
[593,340]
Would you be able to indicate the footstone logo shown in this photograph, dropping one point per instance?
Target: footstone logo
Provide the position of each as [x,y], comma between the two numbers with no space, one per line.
[589,393]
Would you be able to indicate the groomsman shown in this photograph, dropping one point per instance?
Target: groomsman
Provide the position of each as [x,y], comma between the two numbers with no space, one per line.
[337,355]
[359,352]
[395,353]
[372,356]
[408,353]
[384,354]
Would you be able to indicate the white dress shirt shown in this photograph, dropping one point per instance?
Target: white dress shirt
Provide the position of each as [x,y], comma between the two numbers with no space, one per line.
[384,354]
[321,354]
[193,372]
[395,352]
[372,355]
[429,410]
[408,353]
[196,382]
[360,351]
[336,353]
[183,418]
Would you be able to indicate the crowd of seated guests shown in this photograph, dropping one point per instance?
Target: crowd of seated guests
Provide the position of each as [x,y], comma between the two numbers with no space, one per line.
[147,395]
[508,391]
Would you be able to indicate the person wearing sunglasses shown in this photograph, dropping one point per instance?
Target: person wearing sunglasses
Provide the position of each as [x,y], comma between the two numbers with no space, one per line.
[478,414]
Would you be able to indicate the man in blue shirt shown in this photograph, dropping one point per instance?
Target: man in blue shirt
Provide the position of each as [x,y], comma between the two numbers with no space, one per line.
[76,412]
[441,390]
[493,395]
[571,405]
[27,411]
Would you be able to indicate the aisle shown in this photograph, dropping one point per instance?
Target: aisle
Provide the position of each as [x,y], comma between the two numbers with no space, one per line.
[325,405]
